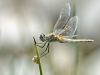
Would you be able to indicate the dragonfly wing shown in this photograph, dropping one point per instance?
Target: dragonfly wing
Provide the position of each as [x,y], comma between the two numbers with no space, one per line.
[70,27]
[63,18]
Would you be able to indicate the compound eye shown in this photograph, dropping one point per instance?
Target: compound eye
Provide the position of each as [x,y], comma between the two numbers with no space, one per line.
[42,37]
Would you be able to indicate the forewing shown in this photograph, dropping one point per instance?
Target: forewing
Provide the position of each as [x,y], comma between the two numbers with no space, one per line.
[70,27]
[63,18]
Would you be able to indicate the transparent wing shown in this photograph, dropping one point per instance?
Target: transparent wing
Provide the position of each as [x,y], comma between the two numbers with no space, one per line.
[70,27]
[63,18]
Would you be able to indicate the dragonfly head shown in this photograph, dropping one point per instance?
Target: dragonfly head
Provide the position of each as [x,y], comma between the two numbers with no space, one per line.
[42,37]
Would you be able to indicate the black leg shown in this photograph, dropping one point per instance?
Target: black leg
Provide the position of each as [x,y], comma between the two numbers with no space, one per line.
[34,40]
[42,45]
[47,49]
[37,44]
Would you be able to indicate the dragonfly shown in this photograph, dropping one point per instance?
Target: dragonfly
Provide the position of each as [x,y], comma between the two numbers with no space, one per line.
[64,30]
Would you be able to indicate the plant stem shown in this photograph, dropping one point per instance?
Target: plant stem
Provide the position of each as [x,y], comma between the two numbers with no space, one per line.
[39,62]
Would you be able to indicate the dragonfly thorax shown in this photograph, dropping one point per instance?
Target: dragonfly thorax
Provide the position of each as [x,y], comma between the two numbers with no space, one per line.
[51,37]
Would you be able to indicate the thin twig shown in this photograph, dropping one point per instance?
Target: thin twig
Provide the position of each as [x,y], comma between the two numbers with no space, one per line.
[37,59]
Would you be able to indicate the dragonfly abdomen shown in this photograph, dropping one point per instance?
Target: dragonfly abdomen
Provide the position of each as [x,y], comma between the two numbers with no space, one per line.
[78,40]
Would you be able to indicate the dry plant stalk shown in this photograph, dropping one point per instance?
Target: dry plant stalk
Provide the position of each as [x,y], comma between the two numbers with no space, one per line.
[36,59]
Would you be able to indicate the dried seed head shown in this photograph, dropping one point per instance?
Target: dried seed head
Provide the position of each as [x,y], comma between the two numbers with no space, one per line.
[35,59]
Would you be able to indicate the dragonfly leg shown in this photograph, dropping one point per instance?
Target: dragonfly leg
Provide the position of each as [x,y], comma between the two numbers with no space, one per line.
[47,49]
[34,41]
[37,44]
[42,45]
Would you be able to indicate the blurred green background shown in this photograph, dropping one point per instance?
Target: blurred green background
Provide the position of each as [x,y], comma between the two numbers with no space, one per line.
[21,19]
